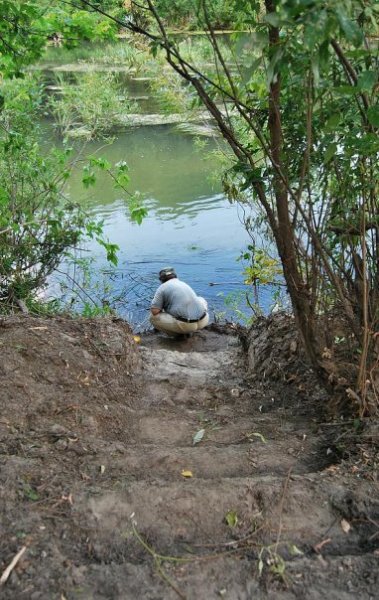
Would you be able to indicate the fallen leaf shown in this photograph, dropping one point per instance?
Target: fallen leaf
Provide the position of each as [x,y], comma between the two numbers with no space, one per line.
[345,525]
[198,436]
[67,499]
[256,434]
[231,518]
[294,550]
[186,473]
[260,567]
[353,395]
[137,338]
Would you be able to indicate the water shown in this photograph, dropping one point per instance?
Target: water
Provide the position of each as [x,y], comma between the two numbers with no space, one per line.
[190,224]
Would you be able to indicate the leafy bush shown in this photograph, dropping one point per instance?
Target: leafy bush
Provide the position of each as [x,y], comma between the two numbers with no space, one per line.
[38,223]
[91,105]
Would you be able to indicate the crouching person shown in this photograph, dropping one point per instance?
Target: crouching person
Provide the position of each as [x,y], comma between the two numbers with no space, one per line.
[176,309]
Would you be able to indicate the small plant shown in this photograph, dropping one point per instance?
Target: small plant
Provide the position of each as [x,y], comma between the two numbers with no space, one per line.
[270,559]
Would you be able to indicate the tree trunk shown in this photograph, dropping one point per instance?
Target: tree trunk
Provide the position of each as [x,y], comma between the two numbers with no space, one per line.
[284,235]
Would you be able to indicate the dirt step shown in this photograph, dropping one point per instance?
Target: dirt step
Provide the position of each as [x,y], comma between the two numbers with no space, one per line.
[193,511]
[211,339]
[196,367]
[183,393]
[206,461]
[172,429]
[207,578]
[229,577]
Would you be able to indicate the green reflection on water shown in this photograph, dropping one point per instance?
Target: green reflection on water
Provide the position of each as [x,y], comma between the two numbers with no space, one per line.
[164,166]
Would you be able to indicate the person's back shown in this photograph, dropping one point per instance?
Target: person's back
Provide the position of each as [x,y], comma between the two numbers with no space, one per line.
[176,309]
[179,300]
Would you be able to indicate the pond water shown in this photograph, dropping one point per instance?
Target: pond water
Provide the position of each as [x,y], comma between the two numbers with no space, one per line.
[190,224]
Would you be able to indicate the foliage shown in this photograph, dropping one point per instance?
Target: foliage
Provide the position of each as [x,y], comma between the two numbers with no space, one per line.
[19,21]
[119,175]
[186,13]
[89,106]
[38,223]
[262,269]
[26,26]
[70,26]
[85,291]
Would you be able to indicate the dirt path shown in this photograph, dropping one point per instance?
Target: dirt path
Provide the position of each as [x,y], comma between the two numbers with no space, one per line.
[197,481]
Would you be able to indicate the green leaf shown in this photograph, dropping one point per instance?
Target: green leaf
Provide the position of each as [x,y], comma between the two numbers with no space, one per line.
[330,152]
[346,90]
[231,518]
[89,177]
[294,550]
[198,436]
[154,47]
[351,30]
[138,214]
[101,163]
[122,181]
[111,250]
[367,80]
[332,123]
[373,115]
[272,68]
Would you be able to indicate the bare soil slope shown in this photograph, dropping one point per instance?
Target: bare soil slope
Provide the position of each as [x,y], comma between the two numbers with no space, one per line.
[195,469]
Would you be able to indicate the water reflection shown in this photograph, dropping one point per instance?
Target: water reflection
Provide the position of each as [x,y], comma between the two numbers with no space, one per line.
[190,223]
[164,165]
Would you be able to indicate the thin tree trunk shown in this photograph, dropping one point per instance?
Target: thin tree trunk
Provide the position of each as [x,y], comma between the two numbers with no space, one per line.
[285,237]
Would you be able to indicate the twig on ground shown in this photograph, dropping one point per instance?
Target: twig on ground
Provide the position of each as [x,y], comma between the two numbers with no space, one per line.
[157,563]
[234,543]
[11,566]
[318,547]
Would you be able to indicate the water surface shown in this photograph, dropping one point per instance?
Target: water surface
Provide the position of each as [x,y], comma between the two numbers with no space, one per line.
[190,224]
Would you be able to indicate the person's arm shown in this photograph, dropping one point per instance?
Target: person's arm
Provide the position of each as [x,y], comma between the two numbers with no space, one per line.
[157,303]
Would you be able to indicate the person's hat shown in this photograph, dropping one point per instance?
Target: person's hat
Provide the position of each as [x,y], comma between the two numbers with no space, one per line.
[167,273]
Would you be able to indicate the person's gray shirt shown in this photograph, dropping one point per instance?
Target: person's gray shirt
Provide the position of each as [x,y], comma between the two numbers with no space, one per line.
[179,300]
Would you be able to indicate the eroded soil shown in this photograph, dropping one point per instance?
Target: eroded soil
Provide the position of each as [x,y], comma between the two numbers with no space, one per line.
[102,483]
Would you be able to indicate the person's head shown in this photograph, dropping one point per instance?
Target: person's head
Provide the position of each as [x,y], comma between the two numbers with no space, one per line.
[166,274]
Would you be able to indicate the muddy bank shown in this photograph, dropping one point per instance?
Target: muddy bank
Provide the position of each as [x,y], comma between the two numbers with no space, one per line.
[158,468]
